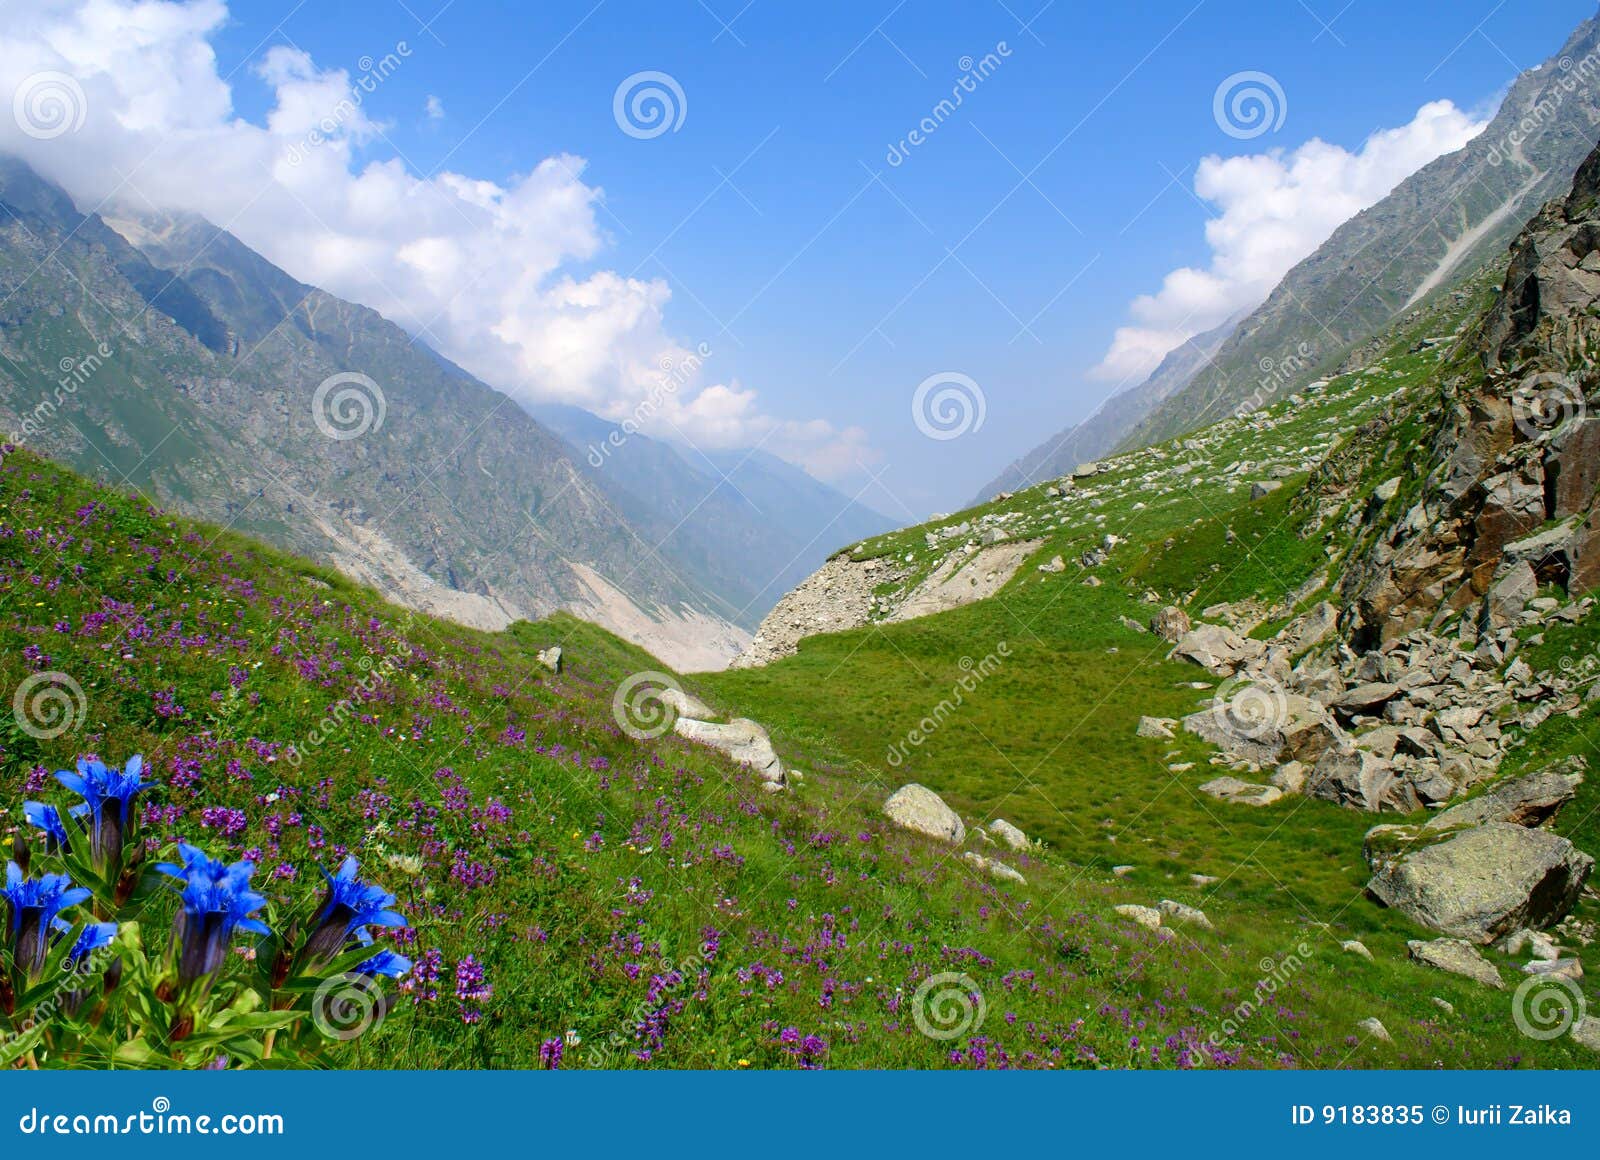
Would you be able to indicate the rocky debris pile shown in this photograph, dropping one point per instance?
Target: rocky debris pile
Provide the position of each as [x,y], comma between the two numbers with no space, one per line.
[840,595]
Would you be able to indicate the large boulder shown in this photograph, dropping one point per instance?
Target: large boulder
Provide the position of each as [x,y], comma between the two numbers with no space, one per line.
[1529,800]
[1479,884]
[1218,649]
[741,739]
[916,807]
[1009,834]
[1170,624]
[1264,724]
[1359,779]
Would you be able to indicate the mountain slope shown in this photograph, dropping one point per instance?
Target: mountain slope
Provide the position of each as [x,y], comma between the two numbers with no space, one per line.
[747,524]
[229,389]
[1104,430]
[1444,221]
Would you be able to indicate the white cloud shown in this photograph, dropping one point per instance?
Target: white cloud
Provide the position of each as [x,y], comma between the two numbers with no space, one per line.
[434,108]
[482,270]
[1273,210]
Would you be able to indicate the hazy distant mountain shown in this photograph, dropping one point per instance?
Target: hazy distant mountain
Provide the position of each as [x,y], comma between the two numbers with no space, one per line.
[164,354]
[745,524]
[1102,431]
[1443,222]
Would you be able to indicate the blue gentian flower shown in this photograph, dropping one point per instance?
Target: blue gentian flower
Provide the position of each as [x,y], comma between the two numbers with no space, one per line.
[350,905]
[48,819]
[217,901]
[95,936]
[108,795]
[34,904]
[385,963]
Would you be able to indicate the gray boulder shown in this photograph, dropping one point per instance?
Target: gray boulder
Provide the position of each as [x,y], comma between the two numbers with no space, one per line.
[1218,649]
[1170,624]
[1529,800]
[741,739]
[1009,834]
[1359,779]
[916,807]
[1243,793]
[1479,884]
[1458,957]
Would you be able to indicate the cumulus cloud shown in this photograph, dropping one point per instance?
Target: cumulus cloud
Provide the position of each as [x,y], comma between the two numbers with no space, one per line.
[482,270]
[1273,210]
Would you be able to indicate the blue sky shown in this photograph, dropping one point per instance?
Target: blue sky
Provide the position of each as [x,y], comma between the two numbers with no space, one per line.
[1006,247]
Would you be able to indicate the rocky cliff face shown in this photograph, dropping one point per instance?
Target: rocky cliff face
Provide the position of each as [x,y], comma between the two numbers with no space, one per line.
[1508,503]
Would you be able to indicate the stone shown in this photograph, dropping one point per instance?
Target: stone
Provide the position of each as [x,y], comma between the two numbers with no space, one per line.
[1353,946]
[1478,884]
[1156,727]
[550,658]
[1086,471]
[1290,777]
[1055,565]
[1366,696]
[994,868]
[1178,912]
[917,808]
[1145,916]
[1264,487]
[1529,800]
[1244,793]
[686,704]
[1009,834]
[1217,649]
[1170,624]
[1358,779]
[1569,969]
[1374,1029]
[1508,597]
[1586,1033]
[741,739]
[1311,629]
[1457,957]
[1123,871]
